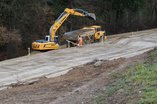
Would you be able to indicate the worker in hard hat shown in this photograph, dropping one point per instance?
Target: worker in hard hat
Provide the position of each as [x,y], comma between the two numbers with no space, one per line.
[80,41]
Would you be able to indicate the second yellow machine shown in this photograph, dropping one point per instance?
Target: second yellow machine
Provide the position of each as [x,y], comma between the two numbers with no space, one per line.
[51,41]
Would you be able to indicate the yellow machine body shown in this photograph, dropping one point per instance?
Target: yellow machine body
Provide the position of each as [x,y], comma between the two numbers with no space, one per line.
[98,32]
[45,46]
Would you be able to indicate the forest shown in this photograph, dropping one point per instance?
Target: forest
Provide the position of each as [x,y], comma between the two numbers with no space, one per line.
[22,21]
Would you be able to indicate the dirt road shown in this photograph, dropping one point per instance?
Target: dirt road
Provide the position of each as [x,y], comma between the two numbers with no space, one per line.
[58,62]
[79,86]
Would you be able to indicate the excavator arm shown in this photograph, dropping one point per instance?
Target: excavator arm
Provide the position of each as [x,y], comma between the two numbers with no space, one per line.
[67,12]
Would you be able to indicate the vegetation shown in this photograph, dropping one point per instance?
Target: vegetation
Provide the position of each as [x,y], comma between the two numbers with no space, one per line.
[10,42]
[136,85]
[33,18]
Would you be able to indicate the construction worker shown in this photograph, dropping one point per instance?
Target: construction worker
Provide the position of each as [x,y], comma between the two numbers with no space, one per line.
[80,41]
[105,38]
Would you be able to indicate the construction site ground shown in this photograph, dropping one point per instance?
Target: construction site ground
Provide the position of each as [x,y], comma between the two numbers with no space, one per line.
[36,79]
[82,85]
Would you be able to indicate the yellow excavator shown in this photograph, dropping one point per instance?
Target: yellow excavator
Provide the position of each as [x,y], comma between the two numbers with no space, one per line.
[51,41]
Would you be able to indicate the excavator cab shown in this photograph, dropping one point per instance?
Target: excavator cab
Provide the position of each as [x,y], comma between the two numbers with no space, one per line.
[47,38]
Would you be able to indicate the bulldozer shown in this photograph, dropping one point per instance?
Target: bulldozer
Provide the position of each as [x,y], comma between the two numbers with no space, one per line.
[50,42]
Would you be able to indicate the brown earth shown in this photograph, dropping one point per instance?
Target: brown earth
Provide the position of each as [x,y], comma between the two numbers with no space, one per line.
[78,86]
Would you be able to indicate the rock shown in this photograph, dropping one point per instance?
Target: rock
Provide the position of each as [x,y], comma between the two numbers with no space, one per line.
[121,91]
[98,63]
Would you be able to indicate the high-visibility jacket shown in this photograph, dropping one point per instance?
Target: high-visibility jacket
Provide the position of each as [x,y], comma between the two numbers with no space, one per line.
[80,40]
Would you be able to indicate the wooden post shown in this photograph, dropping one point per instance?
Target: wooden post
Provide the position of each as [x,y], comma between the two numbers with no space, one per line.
[68,44]
[102,41]
[29,51]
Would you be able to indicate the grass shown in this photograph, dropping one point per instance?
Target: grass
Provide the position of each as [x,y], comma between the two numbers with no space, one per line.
[138,85]
[148,78]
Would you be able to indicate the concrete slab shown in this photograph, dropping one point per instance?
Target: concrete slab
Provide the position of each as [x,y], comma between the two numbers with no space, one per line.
[57,62]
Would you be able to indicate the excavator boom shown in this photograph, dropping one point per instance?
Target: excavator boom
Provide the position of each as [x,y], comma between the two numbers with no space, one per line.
[67,12]
[50,42]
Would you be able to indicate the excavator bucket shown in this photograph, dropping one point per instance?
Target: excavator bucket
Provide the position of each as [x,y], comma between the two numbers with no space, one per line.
[90,15]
